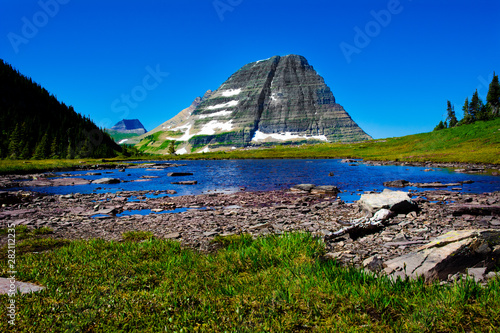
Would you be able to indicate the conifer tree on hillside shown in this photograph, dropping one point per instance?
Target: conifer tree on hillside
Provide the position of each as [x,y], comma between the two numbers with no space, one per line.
[440,126]
[15,143]
[493,97]
[452,118]
[475,107]
[42,148]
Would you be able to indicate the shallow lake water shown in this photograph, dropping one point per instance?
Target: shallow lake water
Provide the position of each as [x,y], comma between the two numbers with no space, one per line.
[228,176]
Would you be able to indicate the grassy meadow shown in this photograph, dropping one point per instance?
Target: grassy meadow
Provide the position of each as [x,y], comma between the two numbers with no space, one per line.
[269,284]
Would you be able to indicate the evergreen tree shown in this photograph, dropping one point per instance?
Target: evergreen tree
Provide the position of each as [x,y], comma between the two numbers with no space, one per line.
[54,148]
[25,151]
[493,97]
[452,119]
[14,143]
[440,126]
[171,147]
[42,148]
[474,107]
[467,118]
[70,154]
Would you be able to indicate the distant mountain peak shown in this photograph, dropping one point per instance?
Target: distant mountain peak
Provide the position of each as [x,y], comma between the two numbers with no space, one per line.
[129,126]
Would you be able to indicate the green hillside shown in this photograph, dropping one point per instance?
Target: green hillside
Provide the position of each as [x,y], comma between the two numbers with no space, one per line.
[475,143]
[118,136]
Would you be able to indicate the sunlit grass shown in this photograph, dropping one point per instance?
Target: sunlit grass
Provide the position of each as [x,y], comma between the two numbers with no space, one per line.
[275,284]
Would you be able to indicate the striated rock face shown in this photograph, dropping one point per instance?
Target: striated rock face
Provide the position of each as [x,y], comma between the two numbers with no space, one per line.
[129,126]
[274,100]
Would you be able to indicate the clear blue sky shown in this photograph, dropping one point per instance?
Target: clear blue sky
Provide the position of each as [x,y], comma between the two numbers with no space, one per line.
[394,80]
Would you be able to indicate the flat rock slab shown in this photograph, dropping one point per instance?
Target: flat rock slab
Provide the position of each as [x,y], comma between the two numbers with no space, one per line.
[179,174]
[187,182]
[22,287]
[471,209]
[450,253]
[106,181]
[313,189]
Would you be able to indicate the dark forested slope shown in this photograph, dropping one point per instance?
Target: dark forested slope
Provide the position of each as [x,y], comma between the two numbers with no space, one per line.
[34,124]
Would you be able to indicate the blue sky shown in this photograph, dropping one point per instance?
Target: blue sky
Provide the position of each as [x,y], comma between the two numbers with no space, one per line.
[391,64]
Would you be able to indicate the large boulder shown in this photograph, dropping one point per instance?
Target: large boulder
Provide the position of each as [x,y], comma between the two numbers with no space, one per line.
[451,253]
[397,201]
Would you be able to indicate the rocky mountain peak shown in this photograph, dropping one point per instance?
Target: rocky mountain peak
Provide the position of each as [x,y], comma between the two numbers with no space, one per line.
[278,99]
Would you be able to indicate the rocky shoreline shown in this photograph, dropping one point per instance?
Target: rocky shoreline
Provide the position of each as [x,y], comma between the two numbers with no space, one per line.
[195,220]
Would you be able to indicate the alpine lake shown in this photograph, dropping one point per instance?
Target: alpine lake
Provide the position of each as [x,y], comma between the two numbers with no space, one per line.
[352,177]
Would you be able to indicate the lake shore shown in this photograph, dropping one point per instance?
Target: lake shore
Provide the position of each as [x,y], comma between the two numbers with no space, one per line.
[197,219]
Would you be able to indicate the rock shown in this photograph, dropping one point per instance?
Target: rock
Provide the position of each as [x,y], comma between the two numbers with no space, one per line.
[446,255]
[477,273]
[382,215]
[474,209]
[187,182]
[397,183]
[401,237]
[173,235]
[326,190]
[373,263]
[302,188]
[179,174]
[69,181]
[492,275]
[6,287]
[106,181]
[429,185]
[397,201]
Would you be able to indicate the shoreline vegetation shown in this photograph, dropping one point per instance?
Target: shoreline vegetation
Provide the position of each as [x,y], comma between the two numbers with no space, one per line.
[477,143]
[272,283]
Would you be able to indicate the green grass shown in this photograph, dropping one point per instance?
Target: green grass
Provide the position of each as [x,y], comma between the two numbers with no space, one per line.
[475,143]
[137,235]
[271,284]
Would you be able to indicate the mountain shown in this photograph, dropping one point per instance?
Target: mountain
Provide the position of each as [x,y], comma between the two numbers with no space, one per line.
[277,100]
[126,131]
[182,116]
[34,124]
[129,126]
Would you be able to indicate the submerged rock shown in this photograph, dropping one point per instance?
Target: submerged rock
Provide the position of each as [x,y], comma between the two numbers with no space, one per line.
[106,181]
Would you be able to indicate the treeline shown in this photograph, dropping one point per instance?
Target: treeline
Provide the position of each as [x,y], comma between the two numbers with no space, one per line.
[34,124]
[475,109]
